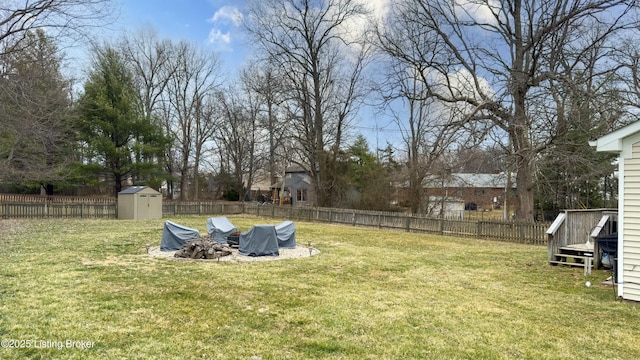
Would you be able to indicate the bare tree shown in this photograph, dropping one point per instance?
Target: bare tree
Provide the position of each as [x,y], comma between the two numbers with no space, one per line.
[60,18]
[170,161]
[430,131]
[237,137]
[584,103]
[267,84]
[312,46]
[36,106]
[627,58]
[36,137]
[196,76]
[505,48]
[150,61]
[430,128]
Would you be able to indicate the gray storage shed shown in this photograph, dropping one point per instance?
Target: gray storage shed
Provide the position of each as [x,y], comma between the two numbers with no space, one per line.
[139,203]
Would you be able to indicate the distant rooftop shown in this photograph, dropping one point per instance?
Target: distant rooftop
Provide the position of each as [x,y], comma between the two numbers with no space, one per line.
[295,169]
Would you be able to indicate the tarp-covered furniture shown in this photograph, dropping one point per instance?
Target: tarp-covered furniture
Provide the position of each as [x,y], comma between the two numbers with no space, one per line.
[175,236]
[261,240]
[286,233]
[219,228]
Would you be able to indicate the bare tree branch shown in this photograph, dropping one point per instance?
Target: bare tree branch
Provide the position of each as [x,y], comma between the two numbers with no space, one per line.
[59,18]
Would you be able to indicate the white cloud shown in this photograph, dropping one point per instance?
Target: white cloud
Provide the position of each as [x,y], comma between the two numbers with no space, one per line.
[379,8]
[458,83]
[217,37]
[227,14]
[483,13]
[355,27]
[224,21]
[465,83]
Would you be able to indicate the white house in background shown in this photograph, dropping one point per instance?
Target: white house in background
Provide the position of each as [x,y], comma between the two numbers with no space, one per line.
[626,143]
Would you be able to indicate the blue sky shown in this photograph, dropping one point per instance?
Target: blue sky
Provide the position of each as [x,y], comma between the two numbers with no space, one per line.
[212,24]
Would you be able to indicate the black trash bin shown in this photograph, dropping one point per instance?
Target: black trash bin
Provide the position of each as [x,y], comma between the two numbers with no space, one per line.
[609,244]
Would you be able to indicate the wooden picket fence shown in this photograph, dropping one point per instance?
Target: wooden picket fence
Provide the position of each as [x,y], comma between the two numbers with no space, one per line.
[173,208]
[56,199]
[524,233]
[35,206]
[72,207]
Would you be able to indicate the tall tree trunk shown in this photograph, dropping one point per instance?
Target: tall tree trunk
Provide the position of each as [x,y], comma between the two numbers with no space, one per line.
[117,179]
[518,126]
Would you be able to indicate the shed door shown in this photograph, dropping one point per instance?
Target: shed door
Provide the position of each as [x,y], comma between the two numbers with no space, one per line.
[155,207]
[631,242]
[143,207]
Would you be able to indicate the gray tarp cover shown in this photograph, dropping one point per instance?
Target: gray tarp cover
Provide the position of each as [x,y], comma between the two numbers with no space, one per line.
[261,240]
[219,228]
[175,236]
[286,233]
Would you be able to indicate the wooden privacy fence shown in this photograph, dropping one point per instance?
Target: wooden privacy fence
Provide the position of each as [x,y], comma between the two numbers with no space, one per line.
[525,233]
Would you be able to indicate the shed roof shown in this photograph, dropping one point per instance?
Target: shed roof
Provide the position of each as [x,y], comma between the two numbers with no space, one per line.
[134,190]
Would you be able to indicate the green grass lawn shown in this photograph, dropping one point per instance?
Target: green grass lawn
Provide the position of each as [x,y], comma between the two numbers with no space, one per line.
[369,294]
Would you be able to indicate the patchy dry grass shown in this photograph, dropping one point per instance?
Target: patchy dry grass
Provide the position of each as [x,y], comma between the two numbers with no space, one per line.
[370,294]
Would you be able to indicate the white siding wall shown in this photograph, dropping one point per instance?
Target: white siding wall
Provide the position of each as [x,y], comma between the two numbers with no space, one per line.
[631,231]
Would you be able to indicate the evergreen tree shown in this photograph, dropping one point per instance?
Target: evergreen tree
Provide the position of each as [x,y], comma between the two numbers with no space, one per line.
[368,178]
[112,128]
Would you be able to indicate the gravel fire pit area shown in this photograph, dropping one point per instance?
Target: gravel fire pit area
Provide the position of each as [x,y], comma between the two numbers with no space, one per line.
[298,252]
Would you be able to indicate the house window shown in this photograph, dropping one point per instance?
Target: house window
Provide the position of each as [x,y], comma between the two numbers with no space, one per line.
[301,194]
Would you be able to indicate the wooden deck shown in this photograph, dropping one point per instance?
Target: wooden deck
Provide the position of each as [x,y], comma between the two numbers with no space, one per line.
[573,228]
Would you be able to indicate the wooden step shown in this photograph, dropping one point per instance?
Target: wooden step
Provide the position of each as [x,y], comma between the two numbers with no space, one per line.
[587,264]
[572,256]
[576,251]
[558,262]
